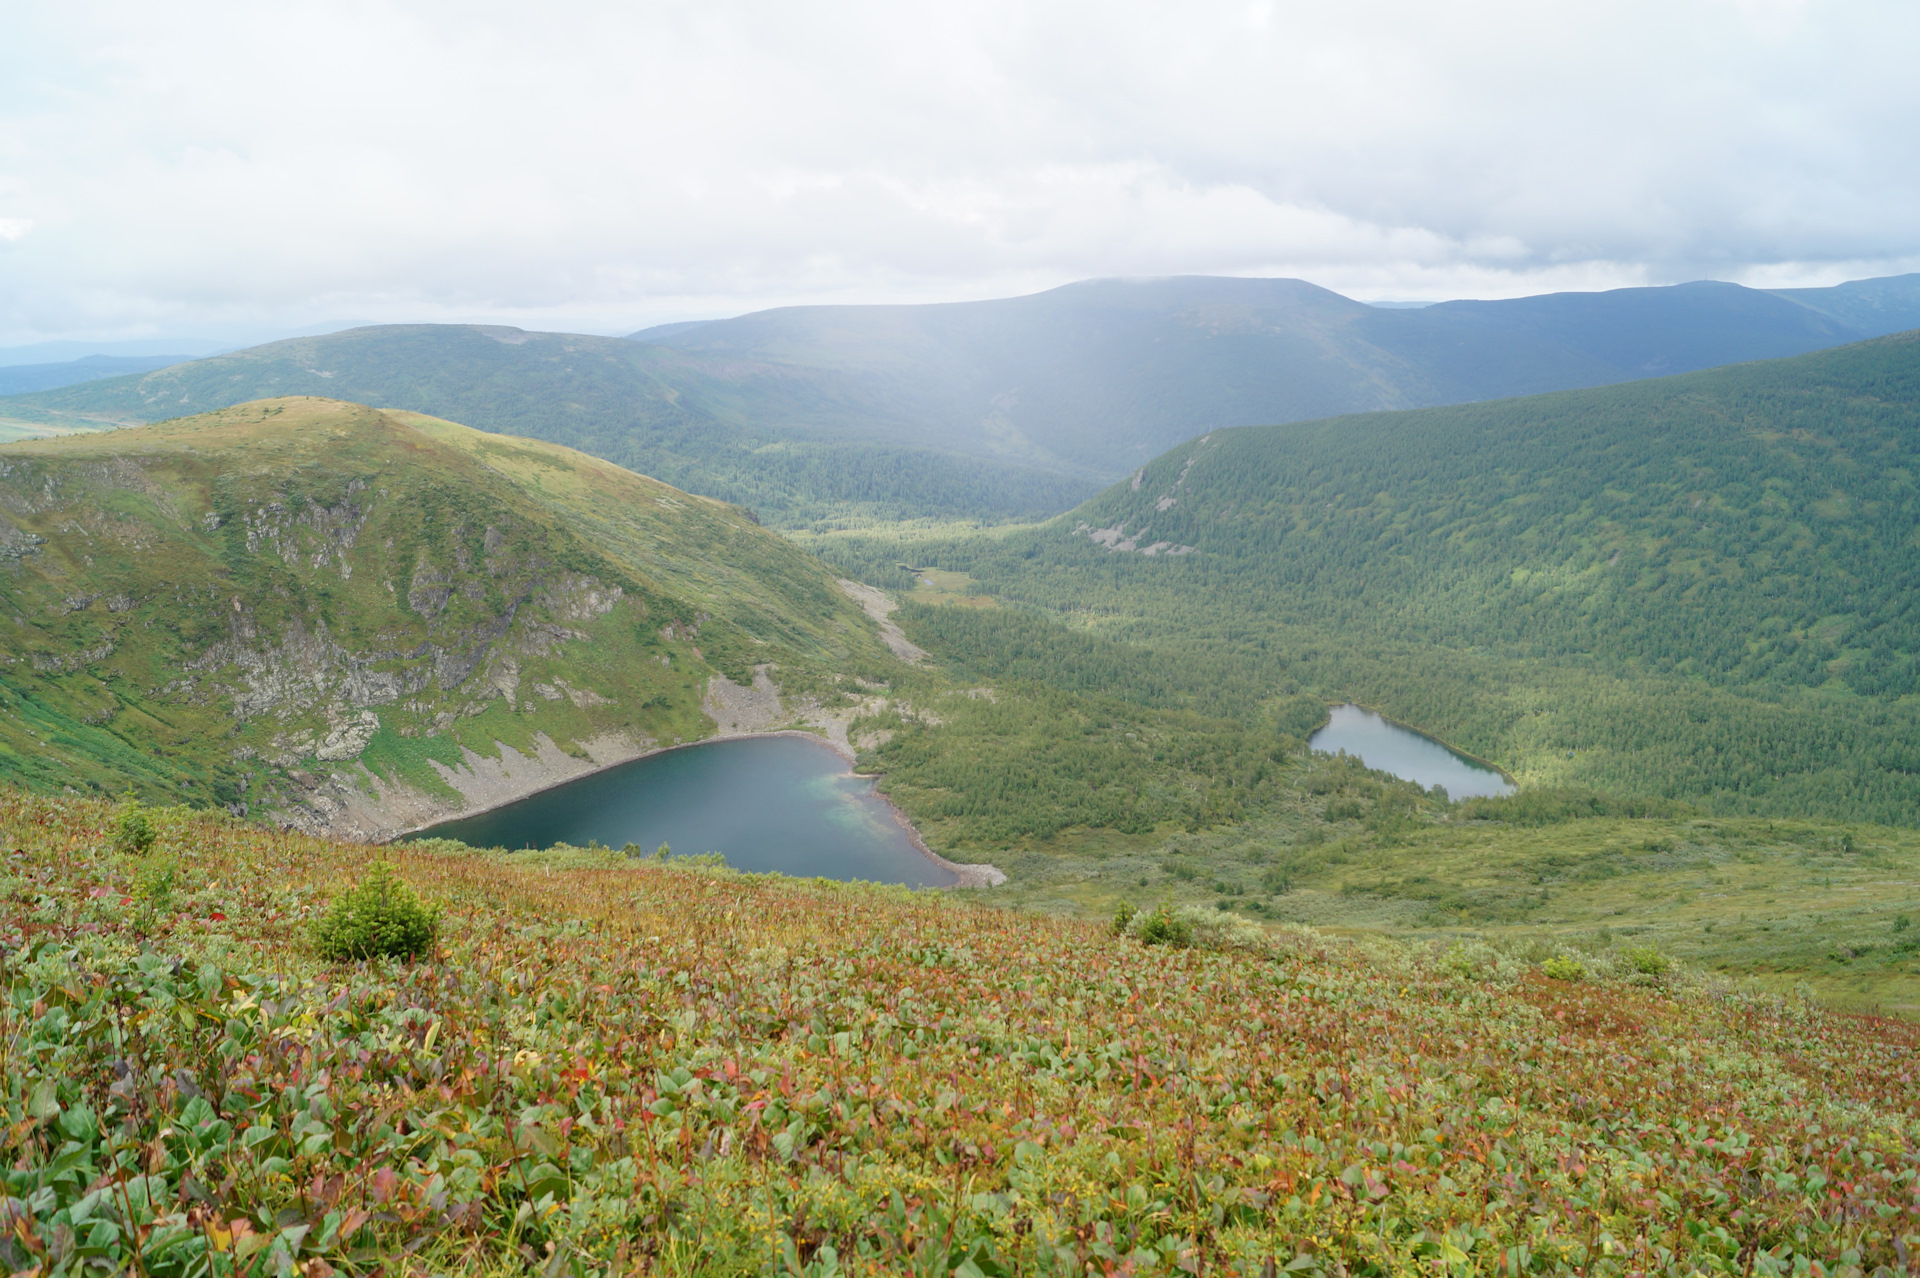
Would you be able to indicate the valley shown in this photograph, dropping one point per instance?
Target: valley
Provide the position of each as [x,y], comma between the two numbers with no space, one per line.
[1564,586]
[1672,614]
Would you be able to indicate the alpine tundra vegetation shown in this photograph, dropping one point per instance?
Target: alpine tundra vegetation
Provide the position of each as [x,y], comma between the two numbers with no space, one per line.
[611,1066]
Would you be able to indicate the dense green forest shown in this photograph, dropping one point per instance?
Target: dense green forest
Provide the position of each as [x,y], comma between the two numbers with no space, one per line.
[1701,588]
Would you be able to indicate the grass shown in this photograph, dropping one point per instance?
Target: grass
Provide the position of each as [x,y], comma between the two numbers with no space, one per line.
[937,586]
[1785,903]
[630,1067]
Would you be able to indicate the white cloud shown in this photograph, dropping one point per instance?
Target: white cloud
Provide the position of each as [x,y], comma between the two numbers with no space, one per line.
[12,228]
[601,165]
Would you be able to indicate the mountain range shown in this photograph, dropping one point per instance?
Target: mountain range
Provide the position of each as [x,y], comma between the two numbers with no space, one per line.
[21,379]
[1004,409]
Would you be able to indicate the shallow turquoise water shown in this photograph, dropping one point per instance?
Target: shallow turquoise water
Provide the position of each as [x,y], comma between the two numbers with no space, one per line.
[765,803]
[1406,754]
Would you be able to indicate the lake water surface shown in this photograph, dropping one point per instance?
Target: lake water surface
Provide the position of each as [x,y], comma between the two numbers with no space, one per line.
[766,803]
[1407,754]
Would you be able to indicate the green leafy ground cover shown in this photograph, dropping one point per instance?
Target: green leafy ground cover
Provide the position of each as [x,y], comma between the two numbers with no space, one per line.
[632,1067]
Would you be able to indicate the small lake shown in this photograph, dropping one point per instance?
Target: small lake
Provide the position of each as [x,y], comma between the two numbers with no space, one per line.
[1388,747]
[765,803]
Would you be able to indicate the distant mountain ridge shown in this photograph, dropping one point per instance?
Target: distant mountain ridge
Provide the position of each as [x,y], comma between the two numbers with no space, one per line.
[1104,373]
[23,379]
[1012,408]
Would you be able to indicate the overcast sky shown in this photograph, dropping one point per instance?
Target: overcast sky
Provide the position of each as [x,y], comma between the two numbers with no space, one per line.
[252,169]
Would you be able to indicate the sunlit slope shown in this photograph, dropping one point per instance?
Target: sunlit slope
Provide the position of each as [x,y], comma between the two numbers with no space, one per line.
[237,606]
[1701,585]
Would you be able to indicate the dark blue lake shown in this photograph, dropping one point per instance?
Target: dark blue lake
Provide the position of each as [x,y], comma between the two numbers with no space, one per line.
[1407,754]
[765,803]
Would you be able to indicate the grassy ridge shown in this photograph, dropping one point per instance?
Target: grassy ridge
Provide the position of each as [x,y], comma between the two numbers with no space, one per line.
[625,1068]
[213,609]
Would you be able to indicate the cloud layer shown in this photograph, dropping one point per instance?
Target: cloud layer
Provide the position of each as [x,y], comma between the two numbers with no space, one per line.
[598,165]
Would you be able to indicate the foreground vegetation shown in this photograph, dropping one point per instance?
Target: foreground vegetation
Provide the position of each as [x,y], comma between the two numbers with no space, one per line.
[615,1066]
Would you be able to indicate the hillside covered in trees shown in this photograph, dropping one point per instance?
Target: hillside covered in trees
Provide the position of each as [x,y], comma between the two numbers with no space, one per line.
[1700,587]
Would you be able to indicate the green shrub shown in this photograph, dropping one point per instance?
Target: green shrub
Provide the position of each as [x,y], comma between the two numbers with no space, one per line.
[1562,968]
[1164,927]
[1647,960]
[1123,916]
[378,917]
[133,831]
[154,881]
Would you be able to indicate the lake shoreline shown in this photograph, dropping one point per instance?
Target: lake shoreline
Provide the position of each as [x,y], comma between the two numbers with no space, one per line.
[966,875]
[1474,759]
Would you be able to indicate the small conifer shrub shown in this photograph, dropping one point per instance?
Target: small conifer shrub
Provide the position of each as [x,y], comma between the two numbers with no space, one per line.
[133,832]
[379,917]
[1122,917]
[1164,927]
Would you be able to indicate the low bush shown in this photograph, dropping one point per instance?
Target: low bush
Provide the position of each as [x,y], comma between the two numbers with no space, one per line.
[380,917]
[154,881]
[1562,968]
[1647,961]
[1164,927]
[133,832]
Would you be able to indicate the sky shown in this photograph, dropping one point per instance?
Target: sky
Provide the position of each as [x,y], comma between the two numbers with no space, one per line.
[235,171]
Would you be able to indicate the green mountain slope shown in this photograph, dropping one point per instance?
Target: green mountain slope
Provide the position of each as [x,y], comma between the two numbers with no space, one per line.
[341,614]
[1700,587]
[793,444]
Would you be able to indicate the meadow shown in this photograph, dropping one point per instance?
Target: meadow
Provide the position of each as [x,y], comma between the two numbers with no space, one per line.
[613,1065]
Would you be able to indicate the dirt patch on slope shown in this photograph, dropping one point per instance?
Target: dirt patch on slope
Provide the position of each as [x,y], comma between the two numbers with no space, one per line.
[876,604]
